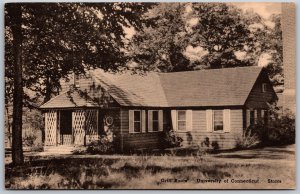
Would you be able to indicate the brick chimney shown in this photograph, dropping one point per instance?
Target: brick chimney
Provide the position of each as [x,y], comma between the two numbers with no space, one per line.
[288,24]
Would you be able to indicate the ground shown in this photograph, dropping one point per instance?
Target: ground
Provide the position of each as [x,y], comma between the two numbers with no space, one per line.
[268,168]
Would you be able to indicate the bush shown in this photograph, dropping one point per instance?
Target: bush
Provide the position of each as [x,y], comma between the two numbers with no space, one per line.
[248,140]
[102,146]
[280,130]
[172,139]
[29,140]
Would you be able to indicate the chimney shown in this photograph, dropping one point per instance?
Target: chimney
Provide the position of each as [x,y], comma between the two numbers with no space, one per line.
[288,25]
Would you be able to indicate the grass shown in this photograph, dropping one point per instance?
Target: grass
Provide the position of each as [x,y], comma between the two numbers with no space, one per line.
[156,172]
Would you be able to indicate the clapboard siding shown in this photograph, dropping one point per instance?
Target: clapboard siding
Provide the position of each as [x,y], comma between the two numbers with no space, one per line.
[132,141]
[199,132]
[257,99]
[195,137]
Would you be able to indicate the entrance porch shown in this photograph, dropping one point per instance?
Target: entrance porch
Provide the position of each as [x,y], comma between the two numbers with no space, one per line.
[76,127]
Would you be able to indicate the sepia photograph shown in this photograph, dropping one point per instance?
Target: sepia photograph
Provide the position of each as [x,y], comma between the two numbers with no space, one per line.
[150,95]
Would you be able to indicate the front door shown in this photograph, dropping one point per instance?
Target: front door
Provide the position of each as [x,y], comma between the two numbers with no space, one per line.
[66,137]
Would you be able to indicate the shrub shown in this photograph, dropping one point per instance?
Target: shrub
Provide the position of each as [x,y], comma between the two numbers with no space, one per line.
[102,146]
[248,139]
[29,140]
[172,139]
[215,145]
[281,130]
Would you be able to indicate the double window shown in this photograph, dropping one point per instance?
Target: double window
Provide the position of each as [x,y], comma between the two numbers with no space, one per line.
[140,119]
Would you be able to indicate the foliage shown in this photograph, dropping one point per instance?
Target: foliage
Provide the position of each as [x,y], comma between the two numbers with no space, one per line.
[172,139]
[45,42]
[29,140]
[60,38]
[280,129]
[102,146]
[247,140]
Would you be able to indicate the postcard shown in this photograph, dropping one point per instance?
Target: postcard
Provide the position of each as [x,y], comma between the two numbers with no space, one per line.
[135,95]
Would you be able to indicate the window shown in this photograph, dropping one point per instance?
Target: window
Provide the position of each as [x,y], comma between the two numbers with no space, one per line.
[155,124]
[76,80]
[252,117]
[137,121]
[181,116]
[264,87]
[218,120]
[264,116]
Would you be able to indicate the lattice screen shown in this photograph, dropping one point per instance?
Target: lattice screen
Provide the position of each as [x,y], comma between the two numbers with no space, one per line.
[50,127]
[91,125]
[78,125]
[67,139]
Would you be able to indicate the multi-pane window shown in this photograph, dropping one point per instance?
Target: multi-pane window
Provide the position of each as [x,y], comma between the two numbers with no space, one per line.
[155,121]
[137,121]
[218,120]
[181,117]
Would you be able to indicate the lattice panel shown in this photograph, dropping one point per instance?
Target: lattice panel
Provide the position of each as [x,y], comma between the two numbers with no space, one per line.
[78,125]
[50,128]
[66,139]
[91,125]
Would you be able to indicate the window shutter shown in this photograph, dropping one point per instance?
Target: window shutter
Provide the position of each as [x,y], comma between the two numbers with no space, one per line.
[209,120]
[226,120]
[247,118]
[174,119]
[143,121]
[160,120]
[131,115]
[189,120]
[150,124]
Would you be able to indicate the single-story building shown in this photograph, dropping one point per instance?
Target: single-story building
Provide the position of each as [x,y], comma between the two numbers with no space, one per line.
[137,109]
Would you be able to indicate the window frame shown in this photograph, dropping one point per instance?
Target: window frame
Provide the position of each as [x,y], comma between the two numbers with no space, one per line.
[155,121]
[213,121]
[181,120]
[133,131]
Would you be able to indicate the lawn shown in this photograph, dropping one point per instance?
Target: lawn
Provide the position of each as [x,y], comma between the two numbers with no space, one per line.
[252,169]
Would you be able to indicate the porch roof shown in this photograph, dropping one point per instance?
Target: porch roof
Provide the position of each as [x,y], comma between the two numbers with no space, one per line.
[69,99]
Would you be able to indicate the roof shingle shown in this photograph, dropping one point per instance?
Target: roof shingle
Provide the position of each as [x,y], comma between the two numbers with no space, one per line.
[217,87]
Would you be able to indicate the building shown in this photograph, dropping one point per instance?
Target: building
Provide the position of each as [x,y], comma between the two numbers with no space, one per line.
[216,104]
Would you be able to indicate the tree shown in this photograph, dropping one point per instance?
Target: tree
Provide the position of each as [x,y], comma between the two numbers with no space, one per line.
[222,35]
[14,12]
[160,46]
[47,42]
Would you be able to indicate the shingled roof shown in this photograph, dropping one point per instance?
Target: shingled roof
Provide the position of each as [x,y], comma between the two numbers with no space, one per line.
[217,87]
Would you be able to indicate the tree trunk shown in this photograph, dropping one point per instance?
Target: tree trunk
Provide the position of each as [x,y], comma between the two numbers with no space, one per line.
[15,13]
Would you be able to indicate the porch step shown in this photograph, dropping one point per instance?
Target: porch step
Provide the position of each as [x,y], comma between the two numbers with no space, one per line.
[59,149]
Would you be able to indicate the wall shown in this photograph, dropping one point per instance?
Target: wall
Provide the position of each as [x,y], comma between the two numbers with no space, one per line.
[132,141]
[224,140]
[257,99]
[195,137]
